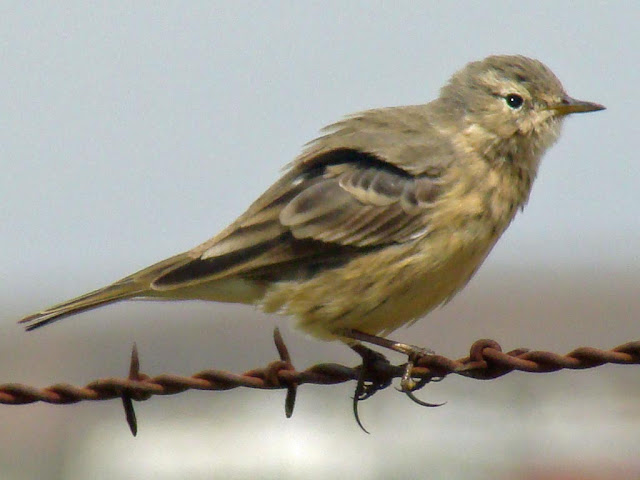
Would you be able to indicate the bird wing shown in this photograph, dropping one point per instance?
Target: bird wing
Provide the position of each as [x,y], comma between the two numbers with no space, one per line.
[337,200]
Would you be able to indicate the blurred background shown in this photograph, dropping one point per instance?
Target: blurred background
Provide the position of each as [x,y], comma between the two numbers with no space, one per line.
[131,132]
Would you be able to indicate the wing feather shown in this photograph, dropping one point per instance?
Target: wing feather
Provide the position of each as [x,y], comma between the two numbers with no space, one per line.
[337,200]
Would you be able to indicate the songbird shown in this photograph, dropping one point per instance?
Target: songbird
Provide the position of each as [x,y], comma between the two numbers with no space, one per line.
[381,219]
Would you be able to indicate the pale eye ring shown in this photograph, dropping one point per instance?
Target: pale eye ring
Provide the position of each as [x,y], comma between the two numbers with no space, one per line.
[514,100]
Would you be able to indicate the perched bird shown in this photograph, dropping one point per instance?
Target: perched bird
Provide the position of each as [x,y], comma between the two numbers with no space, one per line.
[381,219]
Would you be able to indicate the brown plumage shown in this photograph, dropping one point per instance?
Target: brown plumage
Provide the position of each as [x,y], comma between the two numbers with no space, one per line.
[384,217]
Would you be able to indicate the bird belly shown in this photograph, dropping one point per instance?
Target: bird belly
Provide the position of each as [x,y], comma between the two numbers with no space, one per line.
[379,292]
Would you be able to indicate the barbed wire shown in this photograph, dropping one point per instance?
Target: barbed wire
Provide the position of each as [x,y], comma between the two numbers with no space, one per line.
[486,361]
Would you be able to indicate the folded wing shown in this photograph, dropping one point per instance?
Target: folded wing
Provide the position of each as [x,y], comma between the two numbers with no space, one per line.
[318,215]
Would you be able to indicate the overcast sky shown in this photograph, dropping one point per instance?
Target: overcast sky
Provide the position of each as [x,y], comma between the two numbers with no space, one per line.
[131,132]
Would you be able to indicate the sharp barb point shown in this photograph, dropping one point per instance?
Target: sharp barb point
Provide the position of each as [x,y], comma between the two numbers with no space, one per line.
[134,366]
[290,401]
[130,414]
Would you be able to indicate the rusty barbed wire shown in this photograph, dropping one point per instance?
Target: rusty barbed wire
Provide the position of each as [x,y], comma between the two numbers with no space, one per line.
[486,361]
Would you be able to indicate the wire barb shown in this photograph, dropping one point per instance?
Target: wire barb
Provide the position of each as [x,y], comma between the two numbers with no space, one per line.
[127,397]
[292,388]
[486,361]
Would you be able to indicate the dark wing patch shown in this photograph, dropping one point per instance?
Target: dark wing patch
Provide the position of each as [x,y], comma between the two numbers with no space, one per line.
[285,258]
[313,218]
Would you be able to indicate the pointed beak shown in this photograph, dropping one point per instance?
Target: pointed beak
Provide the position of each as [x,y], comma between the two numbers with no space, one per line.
[571,105]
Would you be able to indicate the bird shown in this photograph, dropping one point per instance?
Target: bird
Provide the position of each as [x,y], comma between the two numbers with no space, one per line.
[384,217]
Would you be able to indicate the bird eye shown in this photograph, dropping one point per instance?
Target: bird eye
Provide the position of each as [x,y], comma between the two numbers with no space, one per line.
[514,100]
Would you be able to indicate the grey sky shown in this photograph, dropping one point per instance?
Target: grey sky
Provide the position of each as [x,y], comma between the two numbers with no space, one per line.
[134,132]
[131,131]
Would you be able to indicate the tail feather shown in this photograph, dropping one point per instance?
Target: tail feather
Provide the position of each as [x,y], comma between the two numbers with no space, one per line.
[112,293]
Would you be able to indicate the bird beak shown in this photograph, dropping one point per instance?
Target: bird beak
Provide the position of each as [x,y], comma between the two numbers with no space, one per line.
[571,105]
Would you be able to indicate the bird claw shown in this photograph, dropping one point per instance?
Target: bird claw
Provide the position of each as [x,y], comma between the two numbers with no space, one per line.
[408,384]
[422,403]
[368,384]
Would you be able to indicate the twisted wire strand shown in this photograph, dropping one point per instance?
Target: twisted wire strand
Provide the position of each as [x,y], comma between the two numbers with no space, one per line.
[485,361]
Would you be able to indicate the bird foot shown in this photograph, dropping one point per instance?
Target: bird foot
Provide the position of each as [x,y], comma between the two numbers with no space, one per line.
[408,384]
[414,354]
